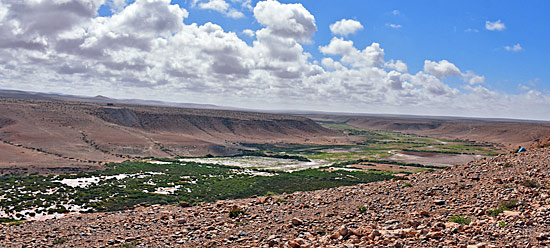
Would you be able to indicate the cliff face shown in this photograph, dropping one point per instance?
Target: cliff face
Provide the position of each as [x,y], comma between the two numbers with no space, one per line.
[63,134]
[212,122]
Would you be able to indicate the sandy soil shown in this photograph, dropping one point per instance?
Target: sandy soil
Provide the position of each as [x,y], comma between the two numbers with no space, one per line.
[436,159]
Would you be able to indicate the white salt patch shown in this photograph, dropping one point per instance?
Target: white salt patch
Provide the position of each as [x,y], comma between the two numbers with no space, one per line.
[166,190]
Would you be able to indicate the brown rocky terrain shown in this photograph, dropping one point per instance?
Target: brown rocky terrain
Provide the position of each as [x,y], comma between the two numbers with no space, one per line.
[411,211]
[510,133]
[53,136]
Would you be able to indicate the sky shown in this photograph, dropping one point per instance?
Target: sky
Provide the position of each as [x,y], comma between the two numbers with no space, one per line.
[446,58]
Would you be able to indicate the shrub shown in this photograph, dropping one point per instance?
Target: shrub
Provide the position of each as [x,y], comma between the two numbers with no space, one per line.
[236,212]
[502,224]
[270,193]
[530,183]
[503,206]
[462,220]
[59,241]
[362,209]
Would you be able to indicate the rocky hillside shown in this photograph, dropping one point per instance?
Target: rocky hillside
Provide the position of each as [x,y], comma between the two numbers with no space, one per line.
[496,202]
[63,136]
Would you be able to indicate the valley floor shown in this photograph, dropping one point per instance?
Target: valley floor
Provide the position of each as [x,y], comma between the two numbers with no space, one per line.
[503,201]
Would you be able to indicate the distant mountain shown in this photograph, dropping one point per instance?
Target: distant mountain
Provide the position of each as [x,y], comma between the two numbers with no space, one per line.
[103,99]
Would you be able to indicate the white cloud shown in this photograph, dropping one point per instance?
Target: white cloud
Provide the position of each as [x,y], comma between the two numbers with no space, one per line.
[372,55]
[394,26]
[473,78]
[395,12]
[286,20]
[441,69]
[146,50]
[338,46]
[397,65]
[330,64]
[515,48]
[249,32]
[345,27]
[117,5]
[495,26]
[220,6]
[445,68]
[217,5]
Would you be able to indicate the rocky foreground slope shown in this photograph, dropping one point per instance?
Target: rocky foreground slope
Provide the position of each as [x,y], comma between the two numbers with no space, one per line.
[410,212]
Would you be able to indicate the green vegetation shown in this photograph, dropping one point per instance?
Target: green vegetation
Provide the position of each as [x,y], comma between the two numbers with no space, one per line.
[124,185]
[503,206]
[359,161]
[59,241]
[362,209]
[375,146]
[462,220]
[530,183]
[236,212]
[502,224]
[7,220]
[249,154]
[141,182]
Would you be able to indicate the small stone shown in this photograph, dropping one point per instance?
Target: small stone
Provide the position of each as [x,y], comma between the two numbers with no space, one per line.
[434,235]
[511,213]
[293,244]
[480,245]
[391,222]
[542,236]
[439,202]
[297,222]
[343,231]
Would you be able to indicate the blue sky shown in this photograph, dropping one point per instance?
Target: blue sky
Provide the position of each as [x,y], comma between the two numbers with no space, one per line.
[435,30]
[460,58]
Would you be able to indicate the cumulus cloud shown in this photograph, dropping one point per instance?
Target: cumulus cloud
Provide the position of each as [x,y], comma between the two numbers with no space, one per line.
[473,78]
[441,69]
[345,27]
[338,46]
[145,50]
[495,26]
[286,20]
[372,55]
[445,68]
[397,65]
[249,32]
[33,25]
[515,48]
